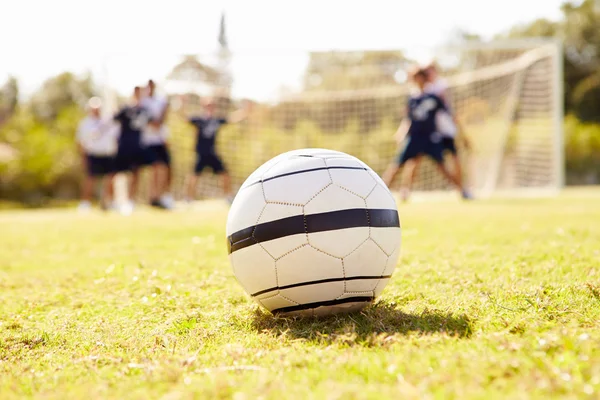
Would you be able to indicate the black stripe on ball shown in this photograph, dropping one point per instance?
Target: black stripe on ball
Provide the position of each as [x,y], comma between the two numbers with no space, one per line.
[310,306]
[313,223]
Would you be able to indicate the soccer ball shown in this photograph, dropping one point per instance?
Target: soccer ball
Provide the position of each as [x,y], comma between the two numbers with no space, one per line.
[313,232]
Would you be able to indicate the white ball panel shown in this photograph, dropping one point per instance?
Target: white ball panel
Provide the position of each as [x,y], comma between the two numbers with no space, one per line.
[333,198]
[280,247]
[275,302]
[392,262]
[381,198]
[245,209]
[296,189]
[307,264]
[368,293]
[254,268]
[382,284]
[257,175]
[367,260]
[355,180]
[314,293]
[363,285]
[321,153]
[294,164]
[343,162]
[377,178]
[339,243]
[387,238]
[275,211]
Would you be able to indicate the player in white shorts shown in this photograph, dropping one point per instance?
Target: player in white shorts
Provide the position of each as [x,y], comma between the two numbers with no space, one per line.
[97,141]
[154,142]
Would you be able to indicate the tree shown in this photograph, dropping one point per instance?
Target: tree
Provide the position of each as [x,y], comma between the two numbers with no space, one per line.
[9,98]
[60,92]
[579,28]
[353,70]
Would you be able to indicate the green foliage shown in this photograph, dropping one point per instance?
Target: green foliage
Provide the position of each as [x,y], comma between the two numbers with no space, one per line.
[9,98]
[47,162]
[582,150]
[586,99]
[60,92]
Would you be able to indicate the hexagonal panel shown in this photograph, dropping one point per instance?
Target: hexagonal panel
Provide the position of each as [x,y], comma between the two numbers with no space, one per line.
[387,238]
[306,265]
[276,211]
[245,209]
[296,189]
[381,198]
[282,246]
[355,180]
[339,243]
[368,260]
[254,268]
[333,198]
[313,293]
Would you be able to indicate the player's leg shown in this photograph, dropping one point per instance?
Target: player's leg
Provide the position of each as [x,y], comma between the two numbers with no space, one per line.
[409,152]
[435,151]
[164,176]
[449,145]
[88,183]
[219,168]
[87,188]
[106,202]
[193,178]
[411,173]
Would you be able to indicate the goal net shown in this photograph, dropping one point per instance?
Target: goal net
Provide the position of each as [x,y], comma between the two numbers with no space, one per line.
[506,95]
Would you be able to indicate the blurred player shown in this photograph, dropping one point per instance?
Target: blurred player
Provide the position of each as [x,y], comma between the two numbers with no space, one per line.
[130,155]
[419,132]
[97,142]
[154,141]
[447,126]
[207,128]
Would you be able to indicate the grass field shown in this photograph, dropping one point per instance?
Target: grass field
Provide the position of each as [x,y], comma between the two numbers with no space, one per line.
[490,299]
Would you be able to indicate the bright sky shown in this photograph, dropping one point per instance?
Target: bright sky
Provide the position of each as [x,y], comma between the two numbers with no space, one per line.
[127,41]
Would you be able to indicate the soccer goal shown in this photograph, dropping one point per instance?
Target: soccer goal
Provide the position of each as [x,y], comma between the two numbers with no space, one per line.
[507,96]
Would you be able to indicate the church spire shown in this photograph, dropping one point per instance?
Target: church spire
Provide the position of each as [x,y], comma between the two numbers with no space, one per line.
[222,34]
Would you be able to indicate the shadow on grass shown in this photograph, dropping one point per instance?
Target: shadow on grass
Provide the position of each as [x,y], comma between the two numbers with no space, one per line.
[374,324]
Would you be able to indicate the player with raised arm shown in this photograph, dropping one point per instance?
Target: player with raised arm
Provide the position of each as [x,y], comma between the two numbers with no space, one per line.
[154,141]
[130,155]
[207,128]
[97,142]
[419,131]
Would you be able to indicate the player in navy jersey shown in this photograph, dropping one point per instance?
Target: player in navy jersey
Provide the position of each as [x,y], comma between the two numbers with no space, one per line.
[420,131]
[447,126]
[131,157]
[207,128]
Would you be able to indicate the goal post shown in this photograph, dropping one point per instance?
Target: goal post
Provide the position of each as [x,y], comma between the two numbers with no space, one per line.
[506,94]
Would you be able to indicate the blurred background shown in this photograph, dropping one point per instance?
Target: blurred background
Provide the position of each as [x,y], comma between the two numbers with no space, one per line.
[523,75]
